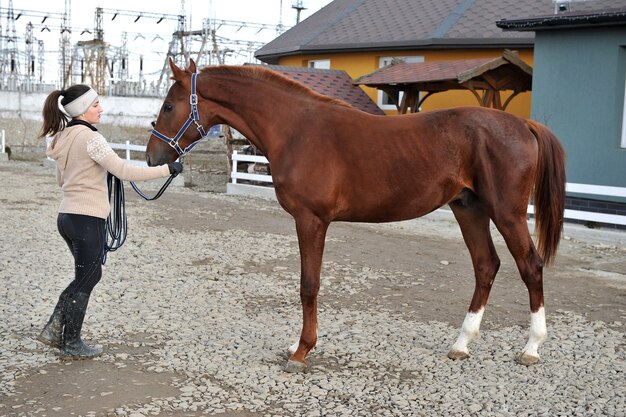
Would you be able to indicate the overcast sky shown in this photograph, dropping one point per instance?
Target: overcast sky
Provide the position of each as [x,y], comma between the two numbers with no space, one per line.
[145,36]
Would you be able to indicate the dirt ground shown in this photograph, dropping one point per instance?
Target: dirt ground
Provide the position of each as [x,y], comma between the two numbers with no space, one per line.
[589,276]
[430,279]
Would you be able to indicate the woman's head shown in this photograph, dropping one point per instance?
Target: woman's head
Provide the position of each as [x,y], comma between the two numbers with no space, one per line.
[78,101]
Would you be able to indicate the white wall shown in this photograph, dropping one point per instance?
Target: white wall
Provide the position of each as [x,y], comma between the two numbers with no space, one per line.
[120,111]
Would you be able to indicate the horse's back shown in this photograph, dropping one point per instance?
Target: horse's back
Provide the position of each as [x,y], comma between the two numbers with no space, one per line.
[389,168]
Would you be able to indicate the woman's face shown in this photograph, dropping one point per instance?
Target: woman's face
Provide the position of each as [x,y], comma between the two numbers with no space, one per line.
[92,115]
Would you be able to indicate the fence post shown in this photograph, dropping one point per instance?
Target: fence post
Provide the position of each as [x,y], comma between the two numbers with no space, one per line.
[234,171]
[128,150]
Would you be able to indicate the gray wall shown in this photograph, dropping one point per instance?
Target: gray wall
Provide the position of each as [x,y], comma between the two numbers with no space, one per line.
[578,91]
[124,118]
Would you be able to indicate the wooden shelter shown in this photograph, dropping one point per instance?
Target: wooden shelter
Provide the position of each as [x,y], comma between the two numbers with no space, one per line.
[486,78]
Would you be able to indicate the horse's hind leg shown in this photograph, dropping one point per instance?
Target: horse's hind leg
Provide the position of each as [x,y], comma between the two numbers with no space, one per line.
[530,266]
[311,236]
[474,225]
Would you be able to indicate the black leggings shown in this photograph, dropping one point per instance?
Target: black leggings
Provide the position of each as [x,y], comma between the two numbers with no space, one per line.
[84,236]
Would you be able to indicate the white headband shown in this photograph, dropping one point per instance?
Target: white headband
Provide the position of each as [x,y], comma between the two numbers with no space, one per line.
[81,104]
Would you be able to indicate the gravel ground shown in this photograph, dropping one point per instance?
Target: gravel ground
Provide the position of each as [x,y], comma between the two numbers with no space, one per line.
[196,311]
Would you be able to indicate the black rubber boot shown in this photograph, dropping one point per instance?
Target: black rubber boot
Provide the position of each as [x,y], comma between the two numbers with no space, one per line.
[52,332]
[73,347]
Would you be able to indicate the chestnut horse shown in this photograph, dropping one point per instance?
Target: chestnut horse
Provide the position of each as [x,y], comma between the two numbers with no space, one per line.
[332,162]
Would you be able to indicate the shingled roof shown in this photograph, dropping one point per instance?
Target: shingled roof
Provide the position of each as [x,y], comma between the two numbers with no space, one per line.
[450,74]
[615,16]
[334,83]
[485,78]
[370,25]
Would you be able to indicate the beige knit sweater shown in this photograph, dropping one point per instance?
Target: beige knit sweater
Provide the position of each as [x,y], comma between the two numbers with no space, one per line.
[83,158]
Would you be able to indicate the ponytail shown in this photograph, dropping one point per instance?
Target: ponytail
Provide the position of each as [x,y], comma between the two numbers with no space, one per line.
[54,120]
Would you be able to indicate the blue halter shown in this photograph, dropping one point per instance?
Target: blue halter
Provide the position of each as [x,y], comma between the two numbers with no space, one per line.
[194,117]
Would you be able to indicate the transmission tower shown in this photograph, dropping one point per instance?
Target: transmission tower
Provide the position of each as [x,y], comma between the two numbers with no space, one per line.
[122,56]
[177,50]
[3,63]
[30,55]
[40,60]
[65,48]
[94,56]
[10,63]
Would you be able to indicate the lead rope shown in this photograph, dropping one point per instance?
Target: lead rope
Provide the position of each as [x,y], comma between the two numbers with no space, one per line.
[116,225]
[158,194]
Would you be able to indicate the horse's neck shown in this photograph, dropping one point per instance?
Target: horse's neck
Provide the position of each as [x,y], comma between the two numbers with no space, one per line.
[254,108]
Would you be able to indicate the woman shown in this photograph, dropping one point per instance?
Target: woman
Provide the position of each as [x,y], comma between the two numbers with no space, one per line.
[83,158]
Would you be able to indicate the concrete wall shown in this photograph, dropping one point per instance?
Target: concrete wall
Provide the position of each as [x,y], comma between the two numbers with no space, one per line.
[124,118]
[122,111]
[578,91]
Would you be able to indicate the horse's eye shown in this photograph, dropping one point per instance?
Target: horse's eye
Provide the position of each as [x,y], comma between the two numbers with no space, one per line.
[167,107]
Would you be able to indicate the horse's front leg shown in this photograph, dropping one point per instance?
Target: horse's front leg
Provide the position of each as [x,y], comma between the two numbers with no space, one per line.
[311,236]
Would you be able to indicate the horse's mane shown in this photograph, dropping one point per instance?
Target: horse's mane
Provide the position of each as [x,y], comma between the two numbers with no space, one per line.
[257,72]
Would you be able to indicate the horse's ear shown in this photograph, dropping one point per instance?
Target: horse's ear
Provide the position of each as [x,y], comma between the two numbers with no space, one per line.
[176,72]
[192,66]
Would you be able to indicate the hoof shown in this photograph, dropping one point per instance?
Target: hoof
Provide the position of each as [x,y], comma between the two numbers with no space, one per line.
[526,359]
[458,355]
[294,367]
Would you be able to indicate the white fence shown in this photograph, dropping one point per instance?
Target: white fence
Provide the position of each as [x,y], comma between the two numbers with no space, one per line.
[599,190]
[3,156]
[128,147]
[234,175]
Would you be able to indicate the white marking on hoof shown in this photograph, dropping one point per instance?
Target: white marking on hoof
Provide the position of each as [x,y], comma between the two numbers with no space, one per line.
[538,332]
[292,349]
[469,330]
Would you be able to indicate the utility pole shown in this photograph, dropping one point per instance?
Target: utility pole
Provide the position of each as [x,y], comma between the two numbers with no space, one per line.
[11,64]
[65,47]
[299,6]
[40,59]
[280,28]
[30,56]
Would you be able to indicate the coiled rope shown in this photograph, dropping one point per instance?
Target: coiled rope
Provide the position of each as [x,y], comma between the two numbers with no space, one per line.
[116,227]
[116,223]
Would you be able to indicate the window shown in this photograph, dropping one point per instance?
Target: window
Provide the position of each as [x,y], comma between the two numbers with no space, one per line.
[384,101]
[319,63]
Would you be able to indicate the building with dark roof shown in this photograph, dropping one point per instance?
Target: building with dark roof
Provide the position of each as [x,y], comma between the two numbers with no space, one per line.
[579,91]
[334,83]
[360,36]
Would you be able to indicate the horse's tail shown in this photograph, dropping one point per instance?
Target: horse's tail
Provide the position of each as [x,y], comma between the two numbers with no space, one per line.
[549,194]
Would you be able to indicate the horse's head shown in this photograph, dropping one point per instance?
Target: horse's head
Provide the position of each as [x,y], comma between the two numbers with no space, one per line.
[177,125]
